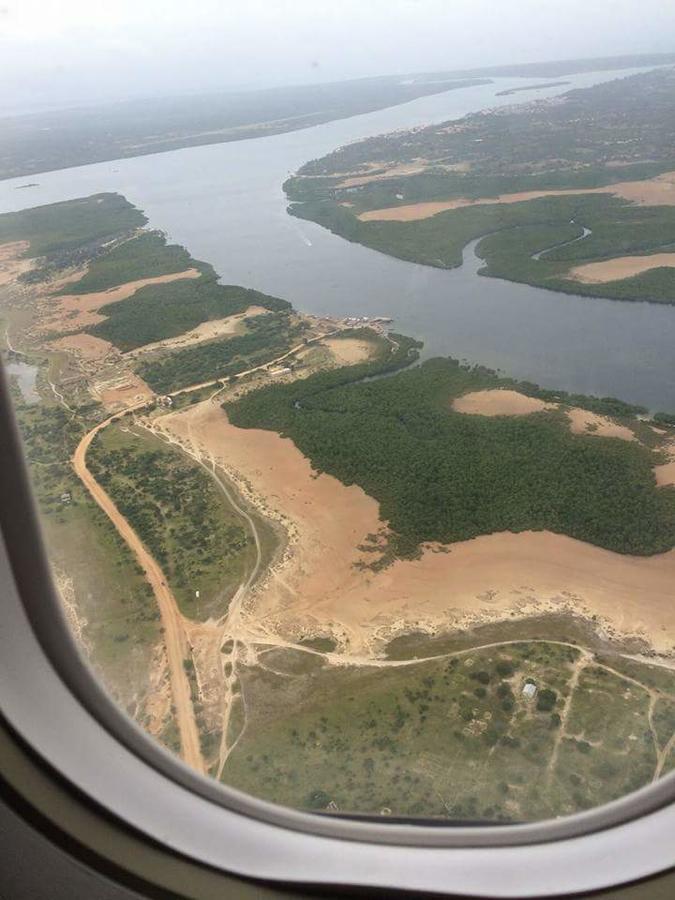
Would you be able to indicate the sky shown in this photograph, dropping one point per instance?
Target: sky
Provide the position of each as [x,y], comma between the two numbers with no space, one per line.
[74,52]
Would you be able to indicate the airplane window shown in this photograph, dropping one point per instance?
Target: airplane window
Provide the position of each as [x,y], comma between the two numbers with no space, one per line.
[348,401]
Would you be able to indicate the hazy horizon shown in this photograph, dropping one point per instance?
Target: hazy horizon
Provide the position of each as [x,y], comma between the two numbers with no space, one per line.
[69,52]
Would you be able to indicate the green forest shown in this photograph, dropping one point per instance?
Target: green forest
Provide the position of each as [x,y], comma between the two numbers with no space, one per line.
[145,255]
[58,229]
[444,476]
[160,311]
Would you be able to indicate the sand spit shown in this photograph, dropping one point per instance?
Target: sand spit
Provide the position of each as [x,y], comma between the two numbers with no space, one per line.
[11,262]
[74,311]
[205,331]
[318,589]
[659,191]
[622,267]
[499,403]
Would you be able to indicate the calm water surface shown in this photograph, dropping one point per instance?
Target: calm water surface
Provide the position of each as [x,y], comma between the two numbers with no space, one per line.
[225,203]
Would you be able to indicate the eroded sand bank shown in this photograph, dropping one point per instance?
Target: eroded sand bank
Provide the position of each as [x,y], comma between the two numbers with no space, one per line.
[317,588]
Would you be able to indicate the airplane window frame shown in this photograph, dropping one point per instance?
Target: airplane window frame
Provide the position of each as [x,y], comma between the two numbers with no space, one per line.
[50,698]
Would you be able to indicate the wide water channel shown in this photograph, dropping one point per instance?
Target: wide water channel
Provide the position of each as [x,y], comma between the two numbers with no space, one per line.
[226,205]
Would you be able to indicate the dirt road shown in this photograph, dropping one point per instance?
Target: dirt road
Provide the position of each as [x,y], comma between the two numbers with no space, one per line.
[174,634]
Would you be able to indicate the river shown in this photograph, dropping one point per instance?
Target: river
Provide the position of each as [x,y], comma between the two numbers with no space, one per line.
[225,204]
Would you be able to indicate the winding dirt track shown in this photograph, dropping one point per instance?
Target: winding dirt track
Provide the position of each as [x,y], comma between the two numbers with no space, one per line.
[174,634]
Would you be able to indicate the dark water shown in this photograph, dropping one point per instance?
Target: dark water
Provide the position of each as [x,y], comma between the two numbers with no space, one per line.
[225,203]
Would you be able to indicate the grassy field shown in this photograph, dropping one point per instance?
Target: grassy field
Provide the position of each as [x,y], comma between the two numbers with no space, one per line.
[181,515]
[440,475]
[453,737]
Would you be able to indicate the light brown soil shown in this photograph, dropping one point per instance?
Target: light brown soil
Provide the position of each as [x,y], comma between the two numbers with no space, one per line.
[128,390]
[206,331]
[348,351]
[11,263]
[622,267]
[512,403]
[659,191]
[391,172]
[75,311]
[584,422]
[318,589]
[85,345]
[499,403]
[665,473]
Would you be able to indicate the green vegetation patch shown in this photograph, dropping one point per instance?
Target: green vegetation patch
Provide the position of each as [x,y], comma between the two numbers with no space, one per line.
[115,607]
[180,514]
[266,338]
[454,738]
[145,255]
[445,476]
[161,311]
[58,229]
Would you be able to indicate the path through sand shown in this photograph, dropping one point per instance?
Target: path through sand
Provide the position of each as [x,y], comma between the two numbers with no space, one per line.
[484,579]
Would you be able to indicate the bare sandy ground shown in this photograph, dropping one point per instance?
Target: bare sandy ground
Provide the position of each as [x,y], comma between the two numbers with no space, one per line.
[499,403]
[11,263]
[85,345]
[665,474]
[75,311]
[622,267]
[512,403]
[128,390]
[317,587]
[402,169]
[206,331]
[584,422]
[659,191]
[348,351]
